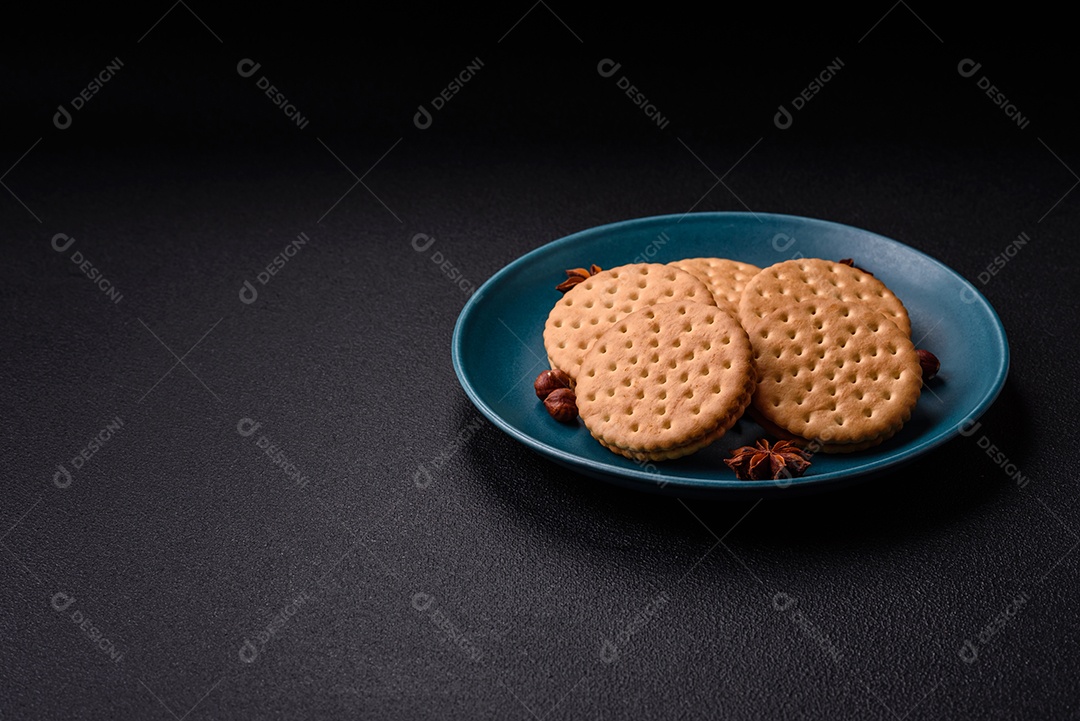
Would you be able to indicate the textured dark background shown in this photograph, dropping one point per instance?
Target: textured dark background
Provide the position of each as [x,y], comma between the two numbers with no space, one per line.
[508,587]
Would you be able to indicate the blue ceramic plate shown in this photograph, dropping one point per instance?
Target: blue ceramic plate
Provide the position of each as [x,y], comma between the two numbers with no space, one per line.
[498,347]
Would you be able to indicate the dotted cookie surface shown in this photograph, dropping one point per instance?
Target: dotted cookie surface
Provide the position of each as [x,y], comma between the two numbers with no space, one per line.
[666,380]
[725,278]
[835,372]
[794,281]
[591,307]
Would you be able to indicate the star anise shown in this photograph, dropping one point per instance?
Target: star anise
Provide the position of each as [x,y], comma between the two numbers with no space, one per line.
[575,276]
[762,462]
[851,262]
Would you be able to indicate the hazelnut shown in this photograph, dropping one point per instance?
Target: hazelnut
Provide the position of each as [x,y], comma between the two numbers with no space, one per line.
[930,364]
[561,403]
[549,381]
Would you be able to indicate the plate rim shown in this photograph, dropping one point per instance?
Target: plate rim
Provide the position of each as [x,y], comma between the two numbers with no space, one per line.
[657,478]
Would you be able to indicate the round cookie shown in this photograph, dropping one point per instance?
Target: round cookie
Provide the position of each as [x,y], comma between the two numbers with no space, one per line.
[594,305]
[794,281]
[666,380]
[834,372]
[725,278]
